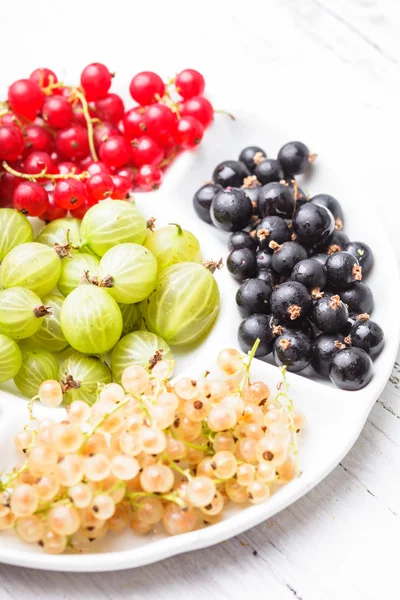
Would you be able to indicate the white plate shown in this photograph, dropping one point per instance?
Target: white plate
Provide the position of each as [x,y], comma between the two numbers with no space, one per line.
[334,417]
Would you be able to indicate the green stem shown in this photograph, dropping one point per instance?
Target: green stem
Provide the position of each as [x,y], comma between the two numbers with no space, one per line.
[43,174]
[247,362]
[180,231]
[100,423]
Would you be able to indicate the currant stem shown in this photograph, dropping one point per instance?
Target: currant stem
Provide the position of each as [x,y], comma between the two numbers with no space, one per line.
[43,174]
[100,423]
[247,362]
[225,112]
[89,122]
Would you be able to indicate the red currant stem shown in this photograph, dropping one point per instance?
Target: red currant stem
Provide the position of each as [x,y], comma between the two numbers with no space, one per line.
[4,112]
[167,161]
[43,174]
[225,112]
[89,123]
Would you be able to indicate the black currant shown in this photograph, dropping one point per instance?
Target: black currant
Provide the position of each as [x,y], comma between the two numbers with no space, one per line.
[343,270]
[286,256]
[295,158]
[293,351]
[253,327]
[241,239]
[267,275]
[278,328]
[231,210]
[253,297]
[272,228]
[242,263]
[331,204]
[312,224]
[325,346]
[336,242]
[230,173]
[203,198]
[367,335]
[252,156]
[275,199]
[268,170]
[351,369]
[290,301]
[330,314]
[312,274]
[264,259]
[321,257]
[301,196]
[251,192]
[359,298]
[363,253]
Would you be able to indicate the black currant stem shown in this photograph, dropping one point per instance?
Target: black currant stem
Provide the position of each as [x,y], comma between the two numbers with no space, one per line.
[43,174]
[225,112]
[247,360]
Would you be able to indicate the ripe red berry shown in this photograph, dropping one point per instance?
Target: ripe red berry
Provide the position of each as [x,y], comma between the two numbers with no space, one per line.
[127,172]
[11,142]
[122,187]
[30,198]
[36,162]
[80,212]
[146,151]
[72,142]
[133,123]
[110,108]
[145,86]
[160,121]
[8,183]
[78,116]
[189,132]
[116,151]
[64,168]
[37,138]
[69,193]
[97,167]
[96,81]
[43,77]
[8,119]
[25,98]
[57,112]
[148,178]
[53,211]
[104,131]
[189,83]
[99,186]
[200,108]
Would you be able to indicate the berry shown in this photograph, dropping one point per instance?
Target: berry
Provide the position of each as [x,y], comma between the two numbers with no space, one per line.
[330,314]
[278,328]
[11,142]
[57,112]
[231,210]
[325,346]
[332,205]
[294,158]
[290,301]
[230,173]
[30,199]
[110,108]
[293,351]
[36,162]
[145,86]
[80,212]
[267,275]
[133,122]
[64,168]
[99,186]
[241,239]
[367,335]
[321,257]
[312,224]
[8,183]
[72,142]
[149,177]
[103,132]
[286,256]
[43,77]
[146,151]
[336,242]
[38,139]
[251,190]
[242,264]
[359,298]
[264,259]
[310,273]
[115,152]
[203,198]
[69,193]
[363,253]
[343,270]
[127,173]
[276,199]
[122,187]
[253,297]
[159,121]
[351,369]
[251,156]
[25,98]
[253,327]
[189,83]
[200,108]
[189,132]
[96,81]
[272,229]
[268,170]
[53,210]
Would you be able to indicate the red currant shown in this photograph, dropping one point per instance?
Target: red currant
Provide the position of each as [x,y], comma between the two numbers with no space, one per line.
[80,212]
[30,199]
[36,162]
[110,108]
[104,131]
[8,183]
[160,121]
[8,119]
[145,86]
[53,211]
[189,132]
[72,142]
[200,108]
[148,178]
[115,152]
[69,193]
[25,98]
[43,77]
[133,122]
[64,168]
[146,151]
[57,112]
[127,172]
[37,138]
[189,83]
[96,167]
[11,142]
[99,187]
[122,187]
[96,81]
[78,116]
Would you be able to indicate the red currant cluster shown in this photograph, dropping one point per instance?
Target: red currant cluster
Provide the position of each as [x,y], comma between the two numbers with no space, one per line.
[65,148]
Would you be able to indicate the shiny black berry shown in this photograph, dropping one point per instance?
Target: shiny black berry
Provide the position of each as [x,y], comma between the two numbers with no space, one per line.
[268,170]
[336,242]
[275,199]
[268,275]
[343,270]
[272,229]
[359,298]
[253,297]
[251,156]
[202,200]
[310,273]
[312,224]
[230,173]
[290,301]
[293,351]
[321,257]
[329,314]
[363,253]
[295,158]
[301,326]
[301,196]
[351,369]
[325,346]
[253,327]
[242,263]
[286,256]
[241,239]
[231,210]
[367,335]
[264,259]
[252,192]
[331,204]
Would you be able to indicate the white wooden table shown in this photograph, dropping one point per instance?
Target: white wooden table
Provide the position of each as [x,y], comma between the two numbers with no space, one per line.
[340,62]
